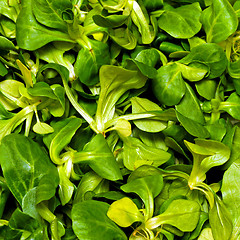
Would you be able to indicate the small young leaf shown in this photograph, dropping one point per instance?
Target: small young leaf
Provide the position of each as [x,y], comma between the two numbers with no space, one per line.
[42,128]
[124,212]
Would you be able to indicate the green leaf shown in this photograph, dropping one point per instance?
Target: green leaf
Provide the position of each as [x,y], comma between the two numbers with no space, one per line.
[232,105]
[90,222]
[89,183]
[22,221]
[100,158]
[191,126]
[30,34]
[123,37]
[147,188]
[211,55]
[153,4]
[181,22]
[114,82]
[42,128]
[54,53]
[140,105]
[20,154]
[57,107]
[41,89]
[206,234]
[220,220]
[190,101]
[62,137]
[89,61]
[236,7]
[231,196]
[193,72]
[141,20]
[3,70]
[168,86]
[219,21]
[182,214]
[66,187]
[50,12]
[206,88]
[6,44]
[206,154]
[136,153]
[111,21]
[124,212]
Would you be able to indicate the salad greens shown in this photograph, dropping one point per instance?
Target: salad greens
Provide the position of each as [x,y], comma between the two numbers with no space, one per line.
[119,119]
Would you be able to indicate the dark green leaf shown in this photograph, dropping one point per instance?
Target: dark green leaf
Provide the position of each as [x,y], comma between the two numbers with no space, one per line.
[20,154]
[168,86]
[90,222]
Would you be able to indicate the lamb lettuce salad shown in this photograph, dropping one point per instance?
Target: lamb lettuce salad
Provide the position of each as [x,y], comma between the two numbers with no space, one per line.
[119,119]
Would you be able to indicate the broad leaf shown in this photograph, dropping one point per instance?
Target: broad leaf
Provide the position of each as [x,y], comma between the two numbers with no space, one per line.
[20,154]
[220,220]
[206,154]
[136,153]
[219,21]
[114,82]
[211,55]
[190,101]
[50,12]
[191,126]
[90,222]
[181,22]
[30,34]
[187,212]
[168,86]
[231,196]
[100,158]
[140,105]
[124,212]
[147,188]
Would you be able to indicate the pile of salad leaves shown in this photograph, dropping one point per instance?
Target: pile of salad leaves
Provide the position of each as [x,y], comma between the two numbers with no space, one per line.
[119,119]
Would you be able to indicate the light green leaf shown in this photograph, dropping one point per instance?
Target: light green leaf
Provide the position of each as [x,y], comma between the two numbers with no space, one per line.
[232,105]
[206,154]
[30,34]
[209,54]
[147,188]
[42,128]
[206,234]
[181,22]
[50,12]
[220,220]
[231,196]
[124,212]
[181,213]
[141,105]
[136,153]
[114,82]
[219,21]
[193,72]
